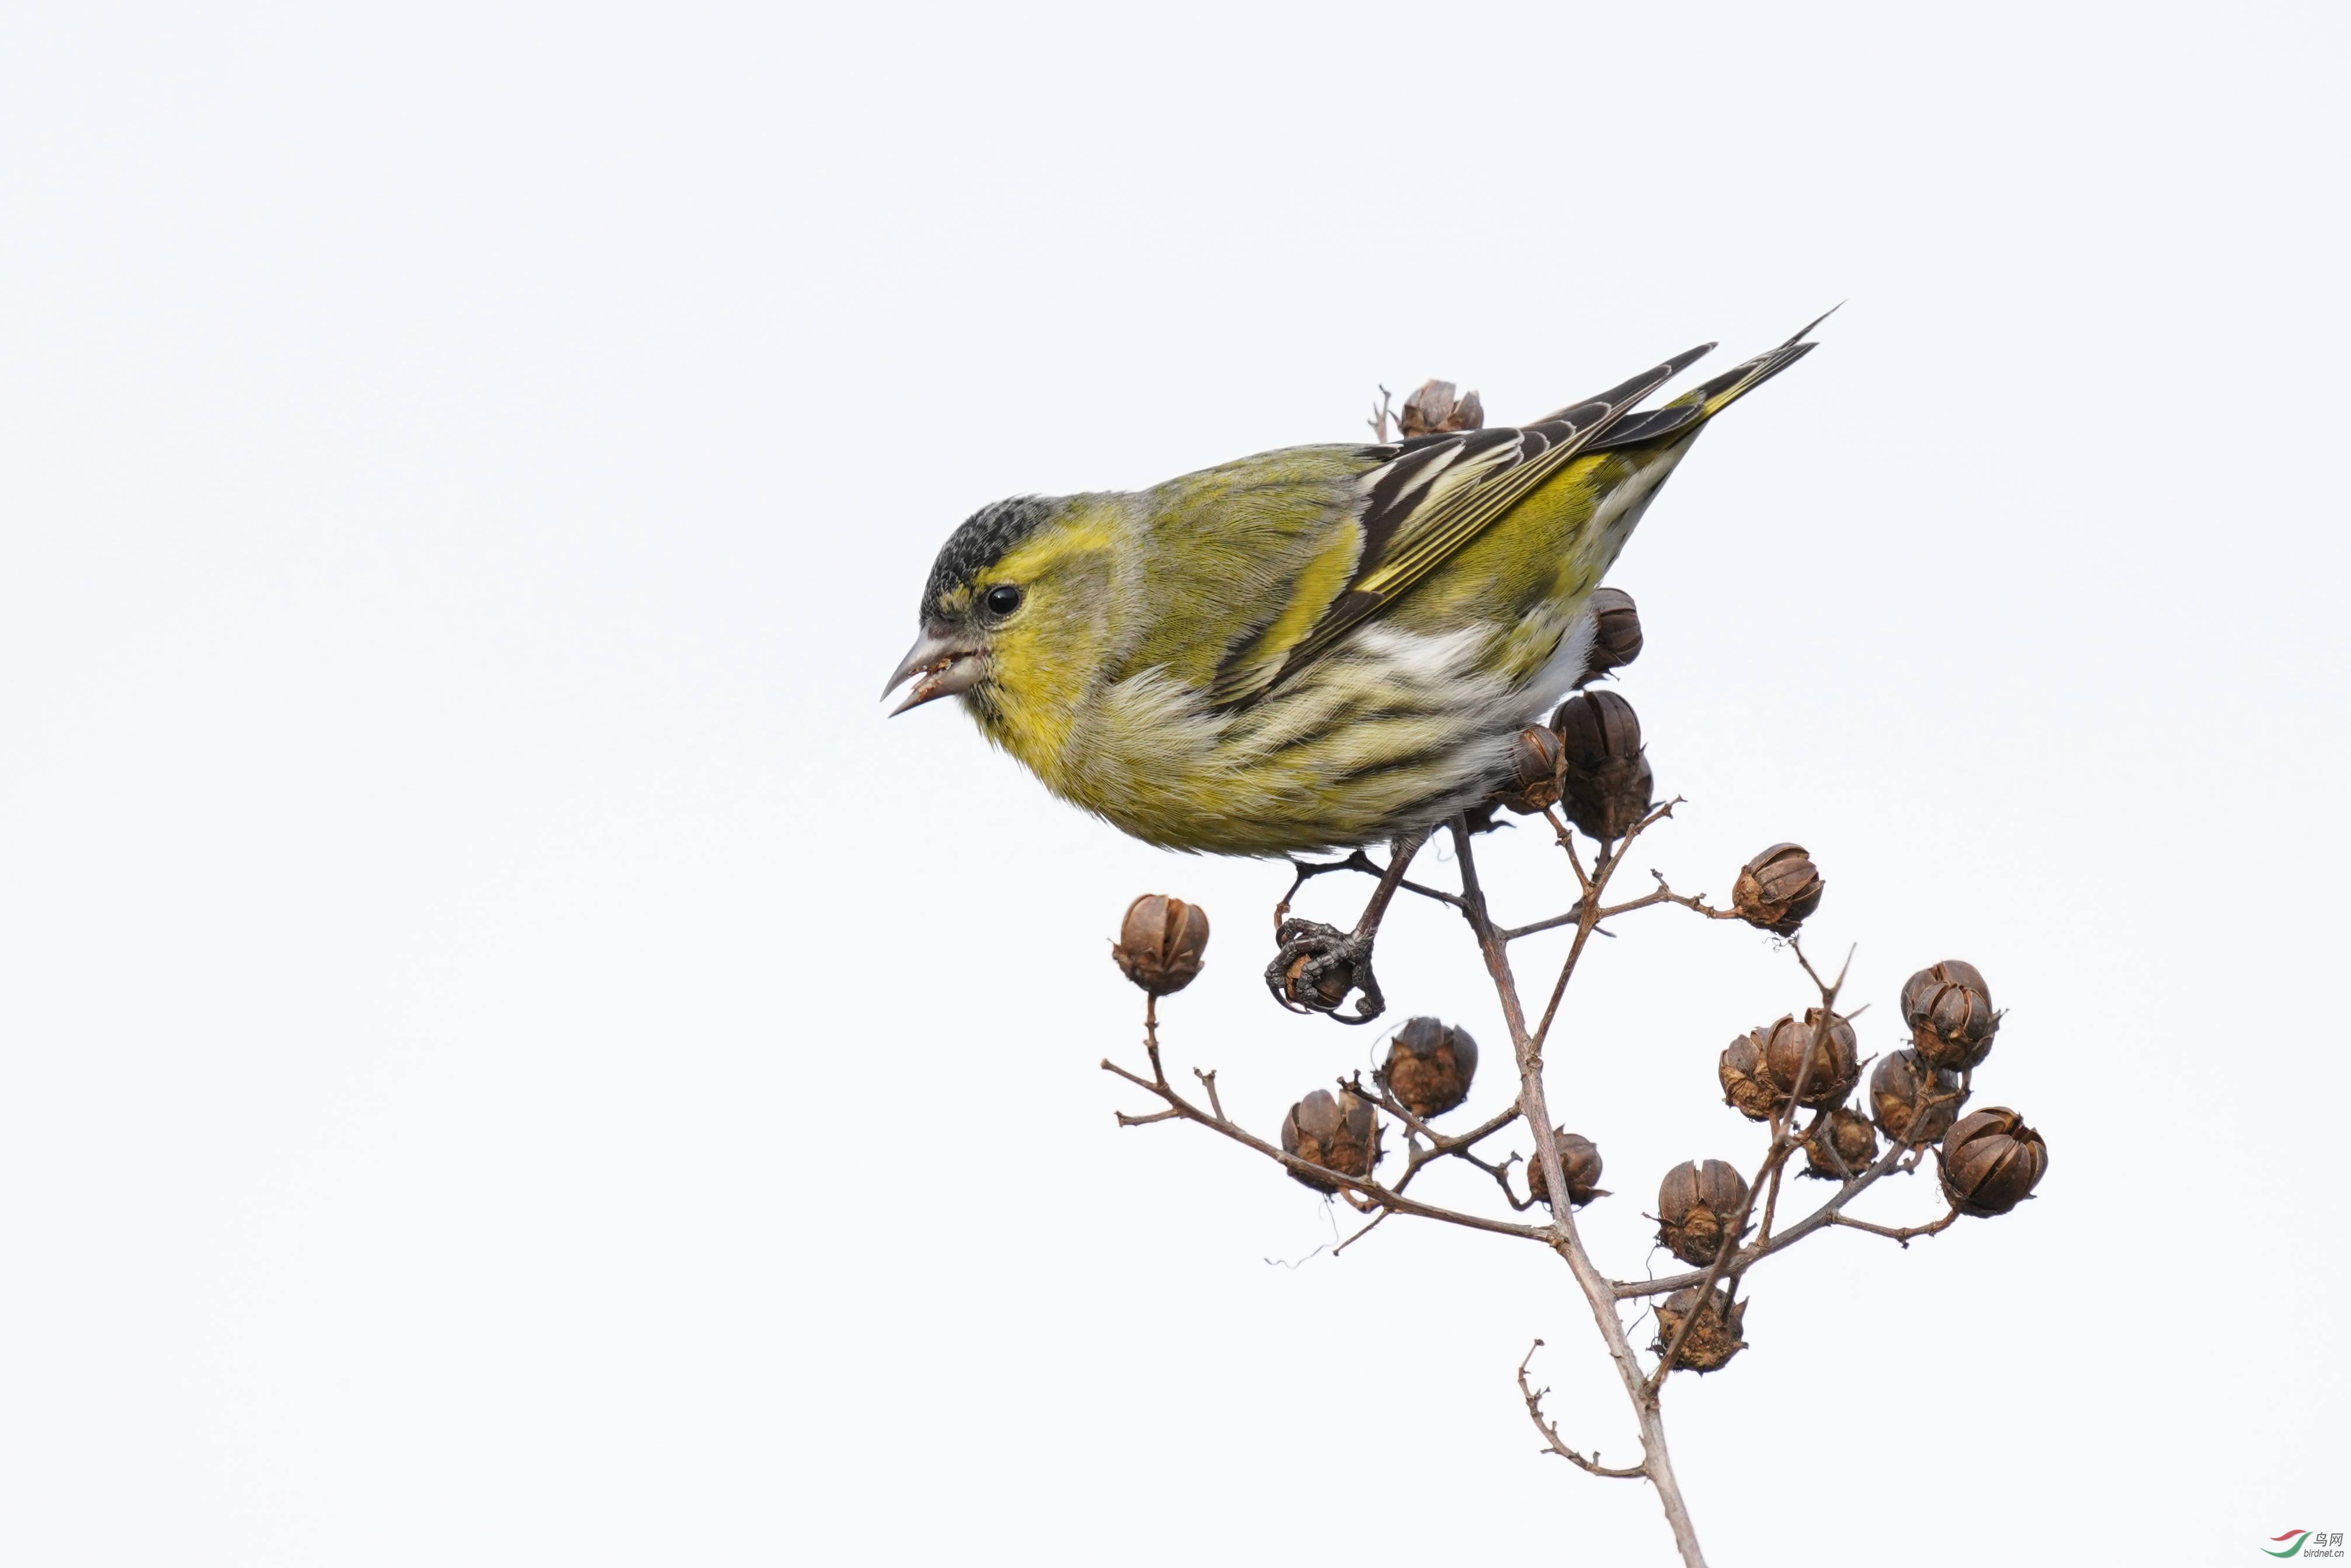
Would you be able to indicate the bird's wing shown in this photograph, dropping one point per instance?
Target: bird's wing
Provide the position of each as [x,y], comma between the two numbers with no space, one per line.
[1424,501]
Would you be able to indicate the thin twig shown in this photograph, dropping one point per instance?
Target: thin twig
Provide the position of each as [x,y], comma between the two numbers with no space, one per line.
[1693,900]
[1589,914]
[1373,1194]
[1440,1146]
[1359,1234]
[1592,1465]
[1567,842]
[1208,1081]
[1904,1235]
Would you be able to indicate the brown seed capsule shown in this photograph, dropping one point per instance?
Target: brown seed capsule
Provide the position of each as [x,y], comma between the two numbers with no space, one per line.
[1536,757]
[1777,889]
[1339,1134]
[1744,1088]
[1579,1161]
[1696,1206]
[1991,1161]
[1837,1060]
[1160,943]
[1844,1147]
[1429,1067]
[1606,782]
[1948,1009]
[1433,408]
[1616,633]
[1904,1087]
[1336,985]
[1713,1338]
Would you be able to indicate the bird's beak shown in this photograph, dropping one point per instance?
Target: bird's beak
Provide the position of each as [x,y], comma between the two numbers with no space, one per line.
[947,660]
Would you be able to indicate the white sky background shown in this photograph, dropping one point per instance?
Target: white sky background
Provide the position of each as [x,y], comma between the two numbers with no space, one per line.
[510,1059]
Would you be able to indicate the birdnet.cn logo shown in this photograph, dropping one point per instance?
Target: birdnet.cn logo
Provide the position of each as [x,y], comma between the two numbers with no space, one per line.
[2306,1543]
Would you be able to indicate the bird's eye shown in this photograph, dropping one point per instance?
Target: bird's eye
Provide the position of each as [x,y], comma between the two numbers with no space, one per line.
[1002,600]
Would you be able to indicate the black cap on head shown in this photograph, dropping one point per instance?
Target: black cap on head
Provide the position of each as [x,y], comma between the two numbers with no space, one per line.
[980,543]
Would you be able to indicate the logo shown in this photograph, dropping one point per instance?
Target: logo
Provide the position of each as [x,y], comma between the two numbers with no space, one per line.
[2307,1544]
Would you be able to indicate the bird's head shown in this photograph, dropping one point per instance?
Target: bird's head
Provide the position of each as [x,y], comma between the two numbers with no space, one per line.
[1010,614]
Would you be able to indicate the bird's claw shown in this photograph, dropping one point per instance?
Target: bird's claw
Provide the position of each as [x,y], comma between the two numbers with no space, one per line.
[1319,966]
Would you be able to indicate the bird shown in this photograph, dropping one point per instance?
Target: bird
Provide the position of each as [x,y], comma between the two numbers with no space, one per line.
[1317,648]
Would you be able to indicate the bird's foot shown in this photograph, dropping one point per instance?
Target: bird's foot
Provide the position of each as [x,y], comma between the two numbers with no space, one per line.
[1320,966]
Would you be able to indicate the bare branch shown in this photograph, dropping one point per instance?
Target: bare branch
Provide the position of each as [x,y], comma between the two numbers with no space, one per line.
[1750,1238]
[1592,1465]
[1373,1194]
[1906,1234]
[1208,1081]
[1598,1294]
[1567,842]
[1440,1146]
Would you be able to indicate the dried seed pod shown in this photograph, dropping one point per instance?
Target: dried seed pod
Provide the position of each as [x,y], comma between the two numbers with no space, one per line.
[1606,781]
[1837,1060]
[1325,995]
[1429,1067]
[1160,943]
[1536,758]
[1340,1134]
[1713,1338]
[1906,1090]
[1777,889]
[1579,1161]
[1948,1009]
[1696,1207]
[1616,633]
[1744,1088]
[1433,408]
[1844,1147]
[1991,1161]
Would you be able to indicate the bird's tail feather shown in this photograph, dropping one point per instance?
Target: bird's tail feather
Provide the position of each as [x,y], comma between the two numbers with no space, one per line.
[1701,402]
[1712,397]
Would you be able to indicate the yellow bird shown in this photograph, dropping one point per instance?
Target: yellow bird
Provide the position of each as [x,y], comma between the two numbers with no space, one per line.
[1313,648]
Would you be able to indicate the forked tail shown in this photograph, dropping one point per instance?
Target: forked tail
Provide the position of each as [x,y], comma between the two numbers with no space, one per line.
[1712,397]
[1706,399]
